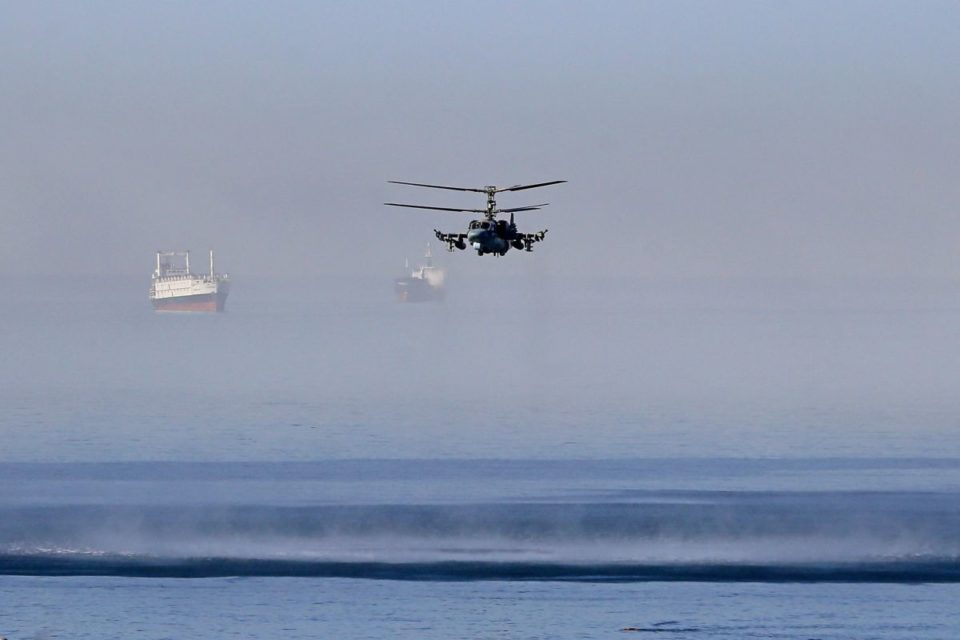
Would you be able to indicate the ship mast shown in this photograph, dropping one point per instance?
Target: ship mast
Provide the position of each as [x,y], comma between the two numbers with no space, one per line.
[211,264]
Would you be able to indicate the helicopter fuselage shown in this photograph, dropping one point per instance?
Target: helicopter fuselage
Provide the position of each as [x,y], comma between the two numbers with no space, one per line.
[491,236]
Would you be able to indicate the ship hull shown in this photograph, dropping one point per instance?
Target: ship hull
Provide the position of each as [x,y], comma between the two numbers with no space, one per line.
[204,303]
[416,290]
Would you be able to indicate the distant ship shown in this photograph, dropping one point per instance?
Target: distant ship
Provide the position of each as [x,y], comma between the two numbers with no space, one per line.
[424,284]
[176,288]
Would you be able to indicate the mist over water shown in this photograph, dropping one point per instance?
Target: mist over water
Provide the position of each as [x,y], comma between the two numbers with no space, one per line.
[535,367]
[576,428]
[458,520]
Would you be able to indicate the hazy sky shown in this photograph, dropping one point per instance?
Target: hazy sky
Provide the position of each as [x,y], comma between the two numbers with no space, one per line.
[735,139]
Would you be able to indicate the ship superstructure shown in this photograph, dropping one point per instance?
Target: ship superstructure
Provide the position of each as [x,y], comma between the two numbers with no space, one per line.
[175,288]
[425,283]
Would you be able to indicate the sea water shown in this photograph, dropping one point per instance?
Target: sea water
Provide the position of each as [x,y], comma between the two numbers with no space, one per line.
[481,548]
[565,460]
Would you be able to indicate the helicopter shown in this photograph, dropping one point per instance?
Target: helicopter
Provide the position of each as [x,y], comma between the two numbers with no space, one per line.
[488,235]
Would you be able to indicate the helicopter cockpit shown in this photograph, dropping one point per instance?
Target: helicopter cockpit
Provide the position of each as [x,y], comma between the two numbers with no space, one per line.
[481,224]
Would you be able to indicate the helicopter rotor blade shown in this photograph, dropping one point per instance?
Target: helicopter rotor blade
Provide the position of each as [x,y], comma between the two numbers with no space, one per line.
[521,187]
[436,186]
[532,207]
[420,206]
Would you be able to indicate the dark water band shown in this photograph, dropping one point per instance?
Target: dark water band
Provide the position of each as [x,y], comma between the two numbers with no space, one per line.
[942,571]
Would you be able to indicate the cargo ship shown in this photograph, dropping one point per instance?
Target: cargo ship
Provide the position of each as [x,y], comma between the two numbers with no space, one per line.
[424,284]
[176,288]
